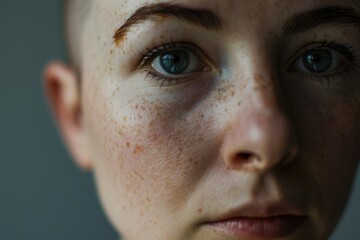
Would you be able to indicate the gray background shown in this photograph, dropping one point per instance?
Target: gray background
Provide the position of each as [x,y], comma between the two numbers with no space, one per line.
[43,195]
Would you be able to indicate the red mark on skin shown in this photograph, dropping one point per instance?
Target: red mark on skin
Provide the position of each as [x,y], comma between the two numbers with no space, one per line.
[138,149]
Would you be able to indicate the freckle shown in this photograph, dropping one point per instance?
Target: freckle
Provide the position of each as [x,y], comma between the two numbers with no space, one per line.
[199,210]
[239,103]
[127,144]
[138,149]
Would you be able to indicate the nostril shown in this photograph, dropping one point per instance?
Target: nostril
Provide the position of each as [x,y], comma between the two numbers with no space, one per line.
[244,156]
[243,160]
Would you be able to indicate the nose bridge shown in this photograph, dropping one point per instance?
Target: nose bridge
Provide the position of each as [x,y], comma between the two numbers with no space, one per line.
[263,94]
[254,67]
[261,135]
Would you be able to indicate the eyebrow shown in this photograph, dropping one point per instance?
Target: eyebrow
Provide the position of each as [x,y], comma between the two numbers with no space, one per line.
[201,17]
[328,16]
[299,23]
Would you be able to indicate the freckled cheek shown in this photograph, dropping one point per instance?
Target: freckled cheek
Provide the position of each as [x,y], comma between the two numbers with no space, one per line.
[330,140]
[147,155]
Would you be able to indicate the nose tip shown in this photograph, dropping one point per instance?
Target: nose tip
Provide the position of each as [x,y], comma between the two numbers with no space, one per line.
[261,142]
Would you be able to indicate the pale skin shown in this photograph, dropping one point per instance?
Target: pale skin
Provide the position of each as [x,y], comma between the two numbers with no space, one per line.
[166,159]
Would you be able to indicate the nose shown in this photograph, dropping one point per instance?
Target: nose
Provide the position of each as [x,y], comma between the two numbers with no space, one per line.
[261,136]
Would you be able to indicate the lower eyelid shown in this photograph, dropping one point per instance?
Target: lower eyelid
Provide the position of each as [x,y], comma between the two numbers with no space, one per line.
[162,81]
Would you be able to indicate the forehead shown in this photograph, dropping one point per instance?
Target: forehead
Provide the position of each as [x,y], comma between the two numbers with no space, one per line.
[228,8]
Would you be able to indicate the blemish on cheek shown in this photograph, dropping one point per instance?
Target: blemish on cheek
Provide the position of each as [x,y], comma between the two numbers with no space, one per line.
[139,175]
[127,144]
[199,210]
[138,149]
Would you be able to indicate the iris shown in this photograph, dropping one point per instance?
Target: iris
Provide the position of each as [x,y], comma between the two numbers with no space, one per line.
[317,61]
[175,61]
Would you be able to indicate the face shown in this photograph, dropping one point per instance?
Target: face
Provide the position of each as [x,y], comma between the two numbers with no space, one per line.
[251,112]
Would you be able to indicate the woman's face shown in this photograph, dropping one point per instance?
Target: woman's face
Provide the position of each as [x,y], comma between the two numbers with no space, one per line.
[192,115]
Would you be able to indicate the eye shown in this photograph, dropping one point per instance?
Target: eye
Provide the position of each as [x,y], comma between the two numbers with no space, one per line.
[176,62]
[318,61]
[326,60]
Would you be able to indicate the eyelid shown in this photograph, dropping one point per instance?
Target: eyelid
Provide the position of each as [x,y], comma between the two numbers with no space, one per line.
[294,67]
[145,64]
[344,51]
[151,54]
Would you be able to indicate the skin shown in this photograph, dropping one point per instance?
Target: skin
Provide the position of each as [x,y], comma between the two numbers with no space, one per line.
[167,159]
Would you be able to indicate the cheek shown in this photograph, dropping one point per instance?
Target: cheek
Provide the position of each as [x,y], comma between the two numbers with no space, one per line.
[330,130]
[329,135]
[327,121]
[148,155]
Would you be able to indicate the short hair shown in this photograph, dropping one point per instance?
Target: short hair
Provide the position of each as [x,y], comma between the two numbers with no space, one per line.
[75,15]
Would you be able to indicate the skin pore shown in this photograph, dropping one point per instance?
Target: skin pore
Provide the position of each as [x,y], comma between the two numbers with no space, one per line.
[245,122]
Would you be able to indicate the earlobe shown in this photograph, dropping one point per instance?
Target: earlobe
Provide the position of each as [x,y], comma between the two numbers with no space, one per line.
[63,94]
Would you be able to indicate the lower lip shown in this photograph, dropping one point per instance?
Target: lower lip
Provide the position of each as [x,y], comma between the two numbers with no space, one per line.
[259,228]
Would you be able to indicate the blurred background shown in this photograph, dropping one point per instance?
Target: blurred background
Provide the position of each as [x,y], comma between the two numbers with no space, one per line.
[43,195]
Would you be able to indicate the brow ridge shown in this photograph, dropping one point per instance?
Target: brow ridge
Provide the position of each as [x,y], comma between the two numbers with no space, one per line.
[201,17]
[328,16]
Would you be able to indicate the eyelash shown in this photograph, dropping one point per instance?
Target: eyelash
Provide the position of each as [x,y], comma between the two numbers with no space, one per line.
[152,53]
[345,50]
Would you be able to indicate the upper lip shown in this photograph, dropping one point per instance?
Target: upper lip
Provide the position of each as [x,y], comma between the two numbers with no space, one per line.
[256,209]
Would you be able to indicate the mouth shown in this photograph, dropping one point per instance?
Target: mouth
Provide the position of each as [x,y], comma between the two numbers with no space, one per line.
[259,221]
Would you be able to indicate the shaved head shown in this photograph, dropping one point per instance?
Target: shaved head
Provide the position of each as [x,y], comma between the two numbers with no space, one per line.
[75,15]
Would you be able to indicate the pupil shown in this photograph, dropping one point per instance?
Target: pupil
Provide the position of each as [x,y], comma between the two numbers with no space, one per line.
[317,61]
[175,62]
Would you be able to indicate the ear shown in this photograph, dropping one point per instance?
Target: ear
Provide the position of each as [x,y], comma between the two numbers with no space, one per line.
[63,93]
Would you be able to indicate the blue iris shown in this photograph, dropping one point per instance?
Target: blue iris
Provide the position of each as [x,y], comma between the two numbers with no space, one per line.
[175,62]
[317,61]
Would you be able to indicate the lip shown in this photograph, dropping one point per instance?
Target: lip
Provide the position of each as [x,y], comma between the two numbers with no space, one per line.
[260,220]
